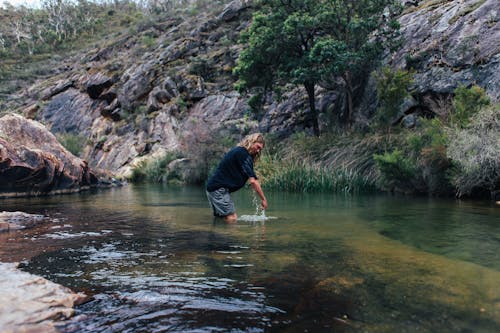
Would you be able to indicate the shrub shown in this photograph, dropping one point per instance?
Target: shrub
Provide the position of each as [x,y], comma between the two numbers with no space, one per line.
[256,102]
[148,41]
[467,102]
[201,67]
[396,170]
[154,170]
[72,142]
[475,152]
[392,89]
[204,148]
[427,147]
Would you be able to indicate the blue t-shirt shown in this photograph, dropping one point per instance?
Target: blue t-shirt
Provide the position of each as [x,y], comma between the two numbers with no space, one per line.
[233,171]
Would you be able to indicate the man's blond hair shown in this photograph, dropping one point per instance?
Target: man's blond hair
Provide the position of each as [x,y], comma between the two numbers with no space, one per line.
[249,140]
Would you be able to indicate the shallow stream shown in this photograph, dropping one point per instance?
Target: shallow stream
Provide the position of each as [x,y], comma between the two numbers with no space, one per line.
[155,260]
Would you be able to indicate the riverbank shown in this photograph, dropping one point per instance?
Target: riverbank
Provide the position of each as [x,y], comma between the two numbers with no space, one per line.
[433,159]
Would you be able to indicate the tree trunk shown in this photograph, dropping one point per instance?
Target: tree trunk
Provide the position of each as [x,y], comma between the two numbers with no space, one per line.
[349,93]
[312,105]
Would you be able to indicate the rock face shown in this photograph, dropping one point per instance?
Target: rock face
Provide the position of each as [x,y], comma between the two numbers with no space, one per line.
[30,303]
[448,44]
[33,162]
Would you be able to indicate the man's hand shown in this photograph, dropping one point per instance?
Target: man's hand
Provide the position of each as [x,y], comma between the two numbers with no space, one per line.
[264,204]
[256,186]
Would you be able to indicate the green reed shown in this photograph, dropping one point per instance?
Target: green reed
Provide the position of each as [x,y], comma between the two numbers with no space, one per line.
[301,177]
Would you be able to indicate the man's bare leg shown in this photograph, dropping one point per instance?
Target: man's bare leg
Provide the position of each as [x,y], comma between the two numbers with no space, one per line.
[231,218]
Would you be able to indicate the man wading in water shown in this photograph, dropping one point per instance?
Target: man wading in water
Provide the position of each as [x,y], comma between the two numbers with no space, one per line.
[232,173]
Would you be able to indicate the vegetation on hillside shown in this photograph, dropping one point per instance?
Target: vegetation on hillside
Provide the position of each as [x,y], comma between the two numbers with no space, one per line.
[34,41]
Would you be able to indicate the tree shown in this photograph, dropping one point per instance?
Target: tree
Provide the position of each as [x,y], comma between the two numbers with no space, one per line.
[467,102]
[312,41]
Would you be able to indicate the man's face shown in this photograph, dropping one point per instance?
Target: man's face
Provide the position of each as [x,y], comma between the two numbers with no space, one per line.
[256,148]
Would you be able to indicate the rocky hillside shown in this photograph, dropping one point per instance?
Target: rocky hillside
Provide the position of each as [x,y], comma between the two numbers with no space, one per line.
[169,87]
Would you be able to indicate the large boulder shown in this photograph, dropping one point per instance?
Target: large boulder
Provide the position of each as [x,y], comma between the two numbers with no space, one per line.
[33,162]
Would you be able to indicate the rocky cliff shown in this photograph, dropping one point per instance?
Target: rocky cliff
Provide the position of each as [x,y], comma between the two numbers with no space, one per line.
[132,100]
[447,44]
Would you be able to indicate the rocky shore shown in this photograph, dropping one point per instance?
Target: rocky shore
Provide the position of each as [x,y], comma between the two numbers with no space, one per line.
[30,303]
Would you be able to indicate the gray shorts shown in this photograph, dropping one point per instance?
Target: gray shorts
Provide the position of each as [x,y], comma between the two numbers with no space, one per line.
[221,202]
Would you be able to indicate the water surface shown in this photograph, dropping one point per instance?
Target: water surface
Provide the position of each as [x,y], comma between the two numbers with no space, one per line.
[155,260]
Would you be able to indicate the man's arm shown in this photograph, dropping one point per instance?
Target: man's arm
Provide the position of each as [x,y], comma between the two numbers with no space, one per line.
[256,186]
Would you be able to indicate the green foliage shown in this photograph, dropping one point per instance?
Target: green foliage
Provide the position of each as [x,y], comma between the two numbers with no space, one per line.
[467,102]
[427,147]
[256,102]
[154,170]
[181,103]
[305,42]
[396,169]
[475,152]
[433,133]
[302,163]
[392,89]
[148,41]
[73,143]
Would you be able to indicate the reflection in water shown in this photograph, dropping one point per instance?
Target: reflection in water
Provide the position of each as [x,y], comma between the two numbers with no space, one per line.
[154,261]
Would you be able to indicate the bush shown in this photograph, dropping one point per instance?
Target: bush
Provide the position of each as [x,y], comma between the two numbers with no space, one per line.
[392,89]
[73,143]
[427,147]
[256,102]
[467,102]
[475,152]
[154,170]
[396,170]
[201,67]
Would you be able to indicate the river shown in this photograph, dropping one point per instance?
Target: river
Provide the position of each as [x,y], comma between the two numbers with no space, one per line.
[155,260]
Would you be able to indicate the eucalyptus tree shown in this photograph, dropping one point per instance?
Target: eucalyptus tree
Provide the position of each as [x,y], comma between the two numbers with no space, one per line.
[308,42]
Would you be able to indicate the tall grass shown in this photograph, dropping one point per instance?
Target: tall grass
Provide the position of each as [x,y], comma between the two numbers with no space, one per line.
[300,176]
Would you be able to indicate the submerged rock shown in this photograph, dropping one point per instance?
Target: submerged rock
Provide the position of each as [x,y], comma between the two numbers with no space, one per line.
[33,162]
[29,303]
[19,220]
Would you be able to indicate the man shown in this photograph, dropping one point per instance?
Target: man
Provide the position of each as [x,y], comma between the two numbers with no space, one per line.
[232,174]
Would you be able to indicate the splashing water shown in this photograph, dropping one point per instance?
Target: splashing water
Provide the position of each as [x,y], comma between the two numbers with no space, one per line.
[260,213]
